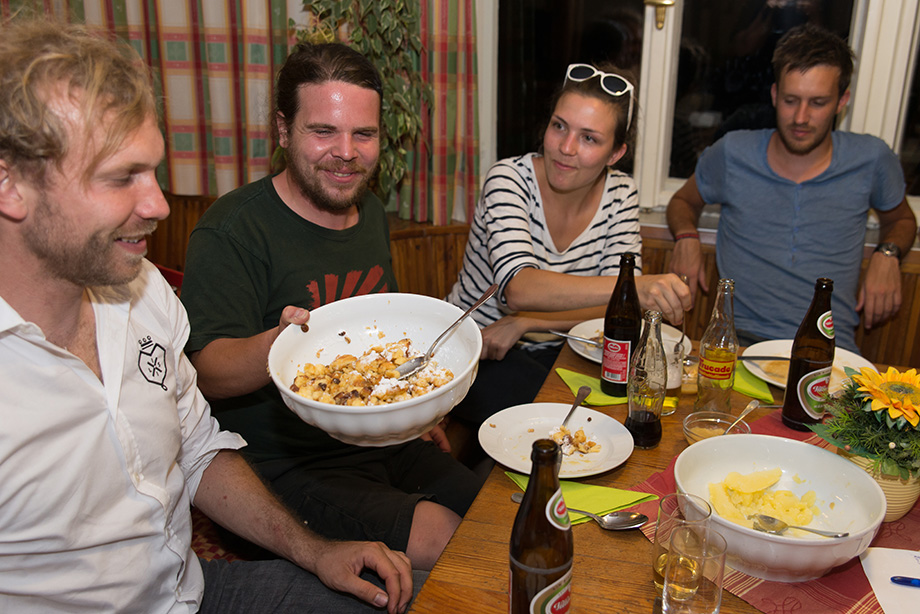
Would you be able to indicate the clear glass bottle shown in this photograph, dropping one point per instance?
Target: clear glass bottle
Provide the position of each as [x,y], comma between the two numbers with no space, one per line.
[648,376]
[541,549]
[718,353]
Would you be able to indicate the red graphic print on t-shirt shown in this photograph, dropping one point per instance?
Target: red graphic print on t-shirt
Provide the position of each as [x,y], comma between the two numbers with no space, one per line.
[356,283]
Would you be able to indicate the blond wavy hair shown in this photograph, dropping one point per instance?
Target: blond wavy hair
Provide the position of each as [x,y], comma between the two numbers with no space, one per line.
[40,59]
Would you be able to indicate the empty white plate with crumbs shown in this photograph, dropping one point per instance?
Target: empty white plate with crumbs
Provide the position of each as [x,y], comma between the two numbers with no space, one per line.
[508,437]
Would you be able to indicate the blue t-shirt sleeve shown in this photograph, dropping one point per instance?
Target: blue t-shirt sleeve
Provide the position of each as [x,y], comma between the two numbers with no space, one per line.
[890,186]
[710,172]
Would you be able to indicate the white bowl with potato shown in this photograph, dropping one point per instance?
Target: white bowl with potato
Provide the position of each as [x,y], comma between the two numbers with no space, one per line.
[847,498]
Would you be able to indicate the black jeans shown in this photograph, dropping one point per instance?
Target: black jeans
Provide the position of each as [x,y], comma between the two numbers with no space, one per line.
[500,384]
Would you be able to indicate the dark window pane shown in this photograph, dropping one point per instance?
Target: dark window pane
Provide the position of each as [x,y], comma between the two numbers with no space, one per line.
[725,70]
[537,39]
[910,144]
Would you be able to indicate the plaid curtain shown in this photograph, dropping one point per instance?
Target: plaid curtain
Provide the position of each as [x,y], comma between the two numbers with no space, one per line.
[214,62]
[445,175]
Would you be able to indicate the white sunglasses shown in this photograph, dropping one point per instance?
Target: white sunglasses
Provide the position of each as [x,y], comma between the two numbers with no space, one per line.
[612,83]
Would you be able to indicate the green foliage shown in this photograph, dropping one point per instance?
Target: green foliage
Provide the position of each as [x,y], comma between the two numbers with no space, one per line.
[853,426]
[387,32]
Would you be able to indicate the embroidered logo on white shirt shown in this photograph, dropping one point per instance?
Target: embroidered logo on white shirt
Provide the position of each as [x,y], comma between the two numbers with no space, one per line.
[152,362]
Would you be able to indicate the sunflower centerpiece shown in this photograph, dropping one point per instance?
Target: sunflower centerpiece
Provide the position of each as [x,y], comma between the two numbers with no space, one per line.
[876,419]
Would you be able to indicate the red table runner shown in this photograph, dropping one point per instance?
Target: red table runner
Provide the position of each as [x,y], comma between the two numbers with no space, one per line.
[845,589]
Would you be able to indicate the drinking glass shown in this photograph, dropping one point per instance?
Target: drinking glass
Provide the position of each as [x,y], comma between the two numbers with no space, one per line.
[675,510]
[675,366]
[694,573]
[688,379]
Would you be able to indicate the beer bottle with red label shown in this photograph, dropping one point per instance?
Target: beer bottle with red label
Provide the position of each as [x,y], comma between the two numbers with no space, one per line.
[622,325]
[812,360]
[718,352]
[541,540]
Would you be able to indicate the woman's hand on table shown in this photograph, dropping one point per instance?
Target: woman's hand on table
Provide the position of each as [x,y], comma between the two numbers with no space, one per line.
[665,293]
[500,336]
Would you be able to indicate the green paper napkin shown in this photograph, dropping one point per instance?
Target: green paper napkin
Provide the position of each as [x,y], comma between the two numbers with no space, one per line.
[597,397]
[597,499]
[751,385]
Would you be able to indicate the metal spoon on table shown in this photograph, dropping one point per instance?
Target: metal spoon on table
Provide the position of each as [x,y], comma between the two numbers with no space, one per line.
[614,521]
[769,524]
[416,364]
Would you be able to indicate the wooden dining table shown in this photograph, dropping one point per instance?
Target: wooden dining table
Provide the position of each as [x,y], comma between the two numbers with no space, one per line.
[612,570]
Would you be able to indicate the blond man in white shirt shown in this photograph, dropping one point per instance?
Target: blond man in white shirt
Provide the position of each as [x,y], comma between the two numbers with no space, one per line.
[105,439]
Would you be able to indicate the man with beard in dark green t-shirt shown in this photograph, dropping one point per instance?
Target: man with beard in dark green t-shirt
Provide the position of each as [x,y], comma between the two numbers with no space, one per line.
[265,254]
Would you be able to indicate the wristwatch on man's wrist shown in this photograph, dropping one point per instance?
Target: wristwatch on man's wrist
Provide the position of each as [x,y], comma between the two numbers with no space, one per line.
[889,249]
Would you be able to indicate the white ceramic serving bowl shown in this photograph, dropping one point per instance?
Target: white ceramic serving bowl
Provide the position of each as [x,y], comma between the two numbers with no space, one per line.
[849,500]
[353,325]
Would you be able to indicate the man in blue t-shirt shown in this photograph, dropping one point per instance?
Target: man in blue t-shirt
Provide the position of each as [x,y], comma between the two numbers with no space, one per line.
[794,201]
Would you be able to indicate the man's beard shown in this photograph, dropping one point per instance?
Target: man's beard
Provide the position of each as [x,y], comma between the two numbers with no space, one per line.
[800,148]
[312,188]
[89,264]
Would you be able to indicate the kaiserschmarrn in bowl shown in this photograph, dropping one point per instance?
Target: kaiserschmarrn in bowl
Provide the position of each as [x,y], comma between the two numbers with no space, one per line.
[343,349]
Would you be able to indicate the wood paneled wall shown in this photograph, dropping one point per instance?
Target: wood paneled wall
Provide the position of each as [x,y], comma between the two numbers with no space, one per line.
[169,242]
[427,259]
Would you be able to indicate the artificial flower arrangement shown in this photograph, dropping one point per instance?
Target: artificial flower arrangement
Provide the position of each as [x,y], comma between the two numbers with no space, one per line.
[876,416]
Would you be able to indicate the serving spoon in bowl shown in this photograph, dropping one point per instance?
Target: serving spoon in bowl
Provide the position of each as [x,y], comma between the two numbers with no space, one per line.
[416,364]
[750,407]
[769,524]
[614,521]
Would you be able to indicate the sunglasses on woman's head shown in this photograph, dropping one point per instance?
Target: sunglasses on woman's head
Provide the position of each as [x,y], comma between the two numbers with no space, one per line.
[612,83]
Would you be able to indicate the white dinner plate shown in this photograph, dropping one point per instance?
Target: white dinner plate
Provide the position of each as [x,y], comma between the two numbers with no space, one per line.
[593,328]
[783,347]
[508,437]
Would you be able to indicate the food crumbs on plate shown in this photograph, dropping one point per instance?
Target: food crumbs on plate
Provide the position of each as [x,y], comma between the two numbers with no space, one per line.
[797,479]
[491,425]
[305,328]
[570,442]
[341,333]
[589,418]
[530,430]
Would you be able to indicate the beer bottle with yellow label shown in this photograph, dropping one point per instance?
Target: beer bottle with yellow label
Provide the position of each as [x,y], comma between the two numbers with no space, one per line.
[812,361]
[541,540]
[718,352]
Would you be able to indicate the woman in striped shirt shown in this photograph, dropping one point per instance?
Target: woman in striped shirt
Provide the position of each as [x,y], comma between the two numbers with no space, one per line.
[549,229]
